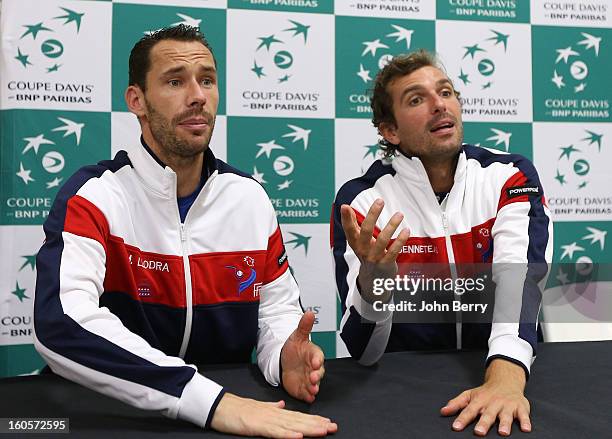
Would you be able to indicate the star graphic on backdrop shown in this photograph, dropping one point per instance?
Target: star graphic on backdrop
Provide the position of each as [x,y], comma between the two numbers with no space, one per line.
[20,292]
[562,276]
[402,34]
[590,41]
[594,137]
[558,80]
[364,74]
[373,46]
[34,29]
[267,42]
[258,70]
[501,137]
[567,151]
[596,235]
[464,77]
[487,85]
[560,178]
[72,16]
[564,54]
[267,148]
[371,150]
[24,174]
[299,241]
[22,58]
[299,134]
[258,176]
[54,68]
[188,21]
[54,183]
[35,142]
[70,127]
[579,87]
[500,38]
[299,28]
[29,260]
[568,250]
[284,185]
[284,79]
[471,50]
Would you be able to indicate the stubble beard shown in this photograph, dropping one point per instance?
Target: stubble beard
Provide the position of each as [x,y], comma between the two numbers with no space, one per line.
[429,149]
[164,133]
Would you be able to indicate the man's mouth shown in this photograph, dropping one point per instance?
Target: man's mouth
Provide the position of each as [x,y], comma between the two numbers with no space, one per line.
[195,123]
[443,126]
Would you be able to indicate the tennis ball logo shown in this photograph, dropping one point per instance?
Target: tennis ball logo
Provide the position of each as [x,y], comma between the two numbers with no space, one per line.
[52,48]
[283,59]
[581,167]
[53,162]
[384,60]
[283,165]
[584,265]
[486,67]
[579,70]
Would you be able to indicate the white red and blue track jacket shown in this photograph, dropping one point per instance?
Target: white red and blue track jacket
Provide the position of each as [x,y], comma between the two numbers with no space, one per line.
[484,220]
[128,298]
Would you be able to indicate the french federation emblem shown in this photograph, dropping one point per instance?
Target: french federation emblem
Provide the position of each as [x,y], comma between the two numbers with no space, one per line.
[245,275]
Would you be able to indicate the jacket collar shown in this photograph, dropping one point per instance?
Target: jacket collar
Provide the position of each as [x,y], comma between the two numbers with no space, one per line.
[411,174]
[159,177]
[411,169]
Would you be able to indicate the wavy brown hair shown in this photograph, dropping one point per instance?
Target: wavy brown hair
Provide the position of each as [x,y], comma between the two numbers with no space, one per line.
[381,101]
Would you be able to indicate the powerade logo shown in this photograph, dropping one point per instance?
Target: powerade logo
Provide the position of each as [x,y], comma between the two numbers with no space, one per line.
[282,258]
[522,190]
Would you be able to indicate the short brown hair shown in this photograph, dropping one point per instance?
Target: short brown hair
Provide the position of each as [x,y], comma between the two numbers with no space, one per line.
[381,101]
[140,61]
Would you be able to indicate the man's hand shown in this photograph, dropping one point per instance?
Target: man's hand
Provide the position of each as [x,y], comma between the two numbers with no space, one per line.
[302,361]
[501,396]
[249,417]
[376,260]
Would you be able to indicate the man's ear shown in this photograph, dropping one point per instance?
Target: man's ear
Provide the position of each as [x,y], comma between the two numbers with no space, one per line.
[135,100]
[389,131]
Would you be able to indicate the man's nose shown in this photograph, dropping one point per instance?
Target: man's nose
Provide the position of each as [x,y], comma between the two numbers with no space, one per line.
[196,95]
[438,104]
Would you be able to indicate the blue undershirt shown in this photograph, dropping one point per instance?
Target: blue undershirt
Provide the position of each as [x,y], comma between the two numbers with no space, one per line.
[184,203]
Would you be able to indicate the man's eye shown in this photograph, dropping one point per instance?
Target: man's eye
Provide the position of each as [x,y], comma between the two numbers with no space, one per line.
[208,82]
[447,93]
[174,82]
[415,100]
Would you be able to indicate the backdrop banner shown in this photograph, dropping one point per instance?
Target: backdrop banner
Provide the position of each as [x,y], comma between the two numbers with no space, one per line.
[294,113]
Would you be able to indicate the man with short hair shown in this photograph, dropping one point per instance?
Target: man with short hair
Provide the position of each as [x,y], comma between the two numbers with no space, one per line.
[454,204]
[166,256]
